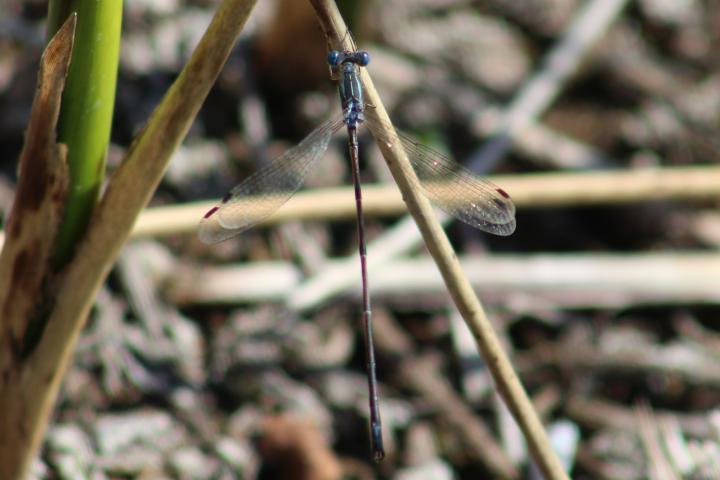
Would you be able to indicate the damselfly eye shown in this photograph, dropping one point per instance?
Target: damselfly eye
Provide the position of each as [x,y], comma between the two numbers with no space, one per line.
[362,58]
[333,58]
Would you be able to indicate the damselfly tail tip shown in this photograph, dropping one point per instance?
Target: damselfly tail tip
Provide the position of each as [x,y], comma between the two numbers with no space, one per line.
[378,456]
[376,440]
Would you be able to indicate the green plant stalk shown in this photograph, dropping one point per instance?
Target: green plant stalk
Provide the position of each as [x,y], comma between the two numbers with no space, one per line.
[87,109]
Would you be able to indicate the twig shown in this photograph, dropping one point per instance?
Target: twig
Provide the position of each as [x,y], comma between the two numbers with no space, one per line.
[571,281]
[338,277]
[681,359]
[527,190]
[595,414]
[257,282]
[659,466]
[542,144]
[539,142]
[537,94]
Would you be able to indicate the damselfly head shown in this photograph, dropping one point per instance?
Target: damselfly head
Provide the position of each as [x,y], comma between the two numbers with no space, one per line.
[335,58]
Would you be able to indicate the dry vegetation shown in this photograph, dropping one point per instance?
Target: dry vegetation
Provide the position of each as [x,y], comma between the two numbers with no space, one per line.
[245,359]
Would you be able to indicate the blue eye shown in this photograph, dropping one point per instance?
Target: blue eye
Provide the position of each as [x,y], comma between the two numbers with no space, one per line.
[362,58]
[333,58]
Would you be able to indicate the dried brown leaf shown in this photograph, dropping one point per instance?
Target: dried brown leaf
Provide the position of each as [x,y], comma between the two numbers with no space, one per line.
[33,220]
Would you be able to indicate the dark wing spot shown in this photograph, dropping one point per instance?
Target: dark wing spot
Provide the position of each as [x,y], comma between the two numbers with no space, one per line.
[502,192]
[227,197]
[500,204]
[211,212]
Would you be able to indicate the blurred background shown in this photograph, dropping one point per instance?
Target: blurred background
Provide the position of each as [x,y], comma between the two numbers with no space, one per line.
[245,359]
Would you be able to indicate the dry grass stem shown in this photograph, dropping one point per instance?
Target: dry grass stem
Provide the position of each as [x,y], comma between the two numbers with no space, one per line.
[527,190]
[567,281]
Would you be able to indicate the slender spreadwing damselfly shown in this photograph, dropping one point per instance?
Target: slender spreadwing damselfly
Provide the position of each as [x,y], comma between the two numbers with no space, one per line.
[449,186]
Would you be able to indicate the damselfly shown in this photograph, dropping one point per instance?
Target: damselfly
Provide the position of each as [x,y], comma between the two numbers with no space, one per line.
[449,186]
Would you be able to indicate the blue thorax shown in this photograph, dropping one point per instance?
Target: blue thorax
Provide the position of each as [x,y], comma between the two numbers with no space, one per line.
[349,87]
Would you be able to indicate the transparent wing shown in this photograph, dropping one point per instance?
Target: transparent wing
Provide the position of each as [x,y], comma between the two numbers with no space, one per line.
[451,187]
[263,192]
